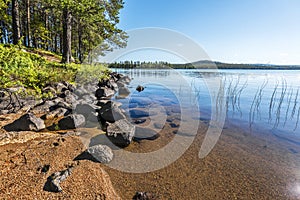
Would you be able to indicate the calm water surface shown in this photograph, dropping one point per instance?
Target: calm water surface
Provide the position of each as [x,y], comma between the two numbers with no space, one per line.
[262,102]
[264,99]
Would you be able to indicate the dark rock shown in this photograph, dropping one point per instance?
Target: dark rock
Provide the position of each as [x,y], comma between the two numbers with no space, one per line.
[121,132]
[44,169]
[104,92]
[27,122]
[53,181]
[102,102]
[111,112]
[145,134]
[139,121]
[134,113]
[144,196]
[140,88]
[85,109]
[101,153]
[174,125]
[71,122]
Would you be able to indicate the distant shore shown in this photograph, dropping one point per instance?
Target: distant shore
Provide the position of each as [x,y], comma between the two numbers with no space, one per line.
[199,65]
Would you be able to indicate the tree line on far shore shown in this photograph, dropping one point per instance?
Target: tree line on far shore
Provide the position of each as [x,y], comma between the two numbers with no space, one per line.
[72,28]
[203,64]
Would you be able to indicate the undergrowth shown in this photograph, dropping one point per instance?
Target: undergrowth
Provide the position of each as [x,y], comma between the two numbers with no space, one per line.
[31,72]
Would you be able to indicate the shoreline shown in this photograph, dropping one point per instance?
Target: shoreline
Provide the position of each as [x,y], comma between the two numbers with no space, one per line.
[242,165]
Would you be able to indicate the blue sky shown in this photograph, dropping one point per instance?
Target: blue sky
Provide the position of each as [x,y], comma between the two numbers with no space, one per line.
[236,31]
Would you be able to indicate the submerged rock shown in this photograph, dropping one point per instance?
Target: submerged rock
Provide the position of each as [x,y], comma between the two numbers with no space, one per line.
[27,122]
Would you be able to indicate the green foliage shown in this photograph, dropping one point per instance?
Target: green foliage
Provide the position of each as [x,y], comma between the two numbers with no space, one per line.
[92,73]
[32,72]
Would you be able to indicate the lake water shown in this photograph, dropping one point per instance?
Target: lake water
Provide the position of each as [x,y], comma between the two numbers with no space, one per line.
[253,99]
[243,124]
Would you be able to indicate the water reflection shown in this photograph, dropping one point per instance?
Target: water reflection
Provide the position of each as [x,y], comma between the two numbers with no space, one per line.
[269,99]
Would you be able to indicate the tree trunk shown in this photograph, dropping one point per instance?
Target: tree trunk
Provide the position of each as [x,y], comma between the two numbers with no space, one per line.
[15,21]
[28,23]
[67,37]
[80,44]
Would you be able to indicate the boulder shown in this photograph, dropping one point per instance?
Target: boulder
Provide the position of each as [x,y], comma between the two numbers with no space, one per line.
[104,92]
[71,122]
[111,112]
[101,153]
[27,122]
[85,109]
[53,181]
[121,132]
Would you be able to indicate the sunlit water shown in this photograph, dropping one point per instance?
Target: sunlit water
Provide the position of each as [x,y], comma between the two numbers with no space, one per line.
[254,99]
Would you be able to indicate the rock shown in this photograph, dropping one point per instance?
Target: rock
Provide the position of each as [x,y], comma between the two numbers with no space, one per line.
[124,91]
[71,122]
[134,113]
[120,84]
[121,132]
[101,153]
[139,121]
[59,112]
[104,92]
[145,134]
[102,102]
[85,109]
[158,125]
[111,112]
[53,181]
[144,196]
[140,88]
[27,122]
[125,79]
[61,104]
[60,87]
[110,83]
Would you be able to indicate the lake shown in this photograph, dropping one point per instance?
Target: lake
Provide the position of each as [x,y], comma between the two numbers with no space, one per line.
[255,99]
[235,134]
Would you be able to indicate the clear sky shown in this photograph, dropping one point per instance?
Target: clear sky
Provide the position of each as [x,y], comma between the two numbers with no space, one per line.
[236,31]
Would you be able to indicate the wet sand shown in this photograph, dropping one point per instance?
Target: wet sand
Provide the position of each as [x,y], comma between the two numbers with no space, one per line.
[242,165]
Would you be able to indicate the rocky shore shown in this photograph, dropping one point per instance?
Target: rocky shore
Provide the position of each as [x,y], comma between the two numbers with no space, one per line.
[46,150]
